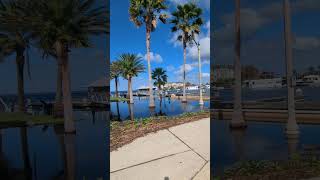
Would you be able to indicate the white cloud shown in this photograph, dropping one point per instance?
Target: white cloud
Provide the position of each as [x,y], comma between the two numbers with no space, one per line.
[189,68]
[204,49]
[205,75]
[170,68]
[154,57]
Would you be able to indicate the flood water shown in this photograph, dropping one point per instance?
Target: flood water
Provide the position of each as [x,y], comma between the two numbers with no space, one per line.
[45,152]
[259,141]
[140,108]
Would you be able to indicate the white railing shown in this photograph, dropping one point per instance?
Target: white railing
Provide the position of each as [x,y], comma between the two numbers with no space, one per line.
[6,108]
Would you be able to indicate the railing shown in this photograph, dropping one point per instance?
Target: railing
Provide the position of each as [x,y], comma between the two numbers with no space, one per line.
[3,106]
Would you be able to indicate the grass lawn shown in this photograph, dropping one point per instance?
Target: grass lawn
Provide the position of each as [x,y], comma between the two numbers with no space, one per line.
[122,133]
[21,119]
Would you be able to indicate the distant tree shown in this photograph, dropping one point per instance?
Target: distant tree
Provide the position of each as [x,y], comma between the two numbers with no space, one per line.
[131,66]
[115,73]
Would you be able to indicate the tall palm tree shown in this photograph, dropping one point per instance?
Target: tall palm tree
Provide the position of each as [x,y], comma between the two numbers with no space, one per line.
[61,25]
[14,40]
[131,65]
[148,12]
[197,43]
[186,21]
[115,73]
[292,127]
[237,116]
[160,79]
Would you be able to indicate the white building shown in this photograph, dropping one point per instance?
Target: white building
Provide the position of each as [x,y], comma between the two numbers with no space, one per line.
[175,85]
[192,87]
[263,83]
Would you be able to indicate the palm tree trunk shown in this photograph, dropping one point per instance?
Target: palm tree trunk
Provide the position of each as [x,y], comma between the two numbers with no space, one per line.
[70,156]
[200,76]
[131,111]
[130,90]
[62,53]
[292,127]
[184,98]
[237,116]
[148,36]
[25,153]
[58,105]
[20,79]
[116,83]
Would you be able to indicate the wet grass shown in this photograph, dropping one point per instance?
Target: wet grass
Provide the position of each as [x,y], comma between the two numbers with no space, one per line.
[122,133]
[22,119]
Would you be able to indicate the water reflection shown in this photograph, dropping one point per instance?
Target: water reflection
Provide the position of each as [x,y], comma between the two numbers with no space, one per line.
[164,107]
[41,152]
[238,136]
[25,153]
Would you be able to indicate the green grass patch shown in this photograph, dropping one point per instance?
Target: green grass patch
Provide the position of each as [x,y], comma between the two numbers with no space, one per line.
[21,118]
[118,99]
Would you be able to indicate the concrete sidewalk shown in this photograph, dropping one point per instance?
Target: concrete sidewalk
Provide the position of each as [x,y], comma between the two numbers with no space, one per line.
[181,152]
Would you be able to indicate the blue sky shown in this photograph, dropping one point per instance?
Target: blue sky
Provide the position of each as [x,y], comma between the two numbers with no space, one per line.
[125,37]
[87,65]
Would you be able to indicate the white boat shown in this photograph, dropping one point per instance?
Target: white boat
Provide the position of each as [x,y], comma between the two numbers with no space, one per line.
[264,83]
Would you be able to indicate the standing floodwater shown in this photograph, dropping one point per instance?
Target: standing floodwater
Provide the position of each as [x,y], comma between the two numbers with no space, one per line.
[169,107]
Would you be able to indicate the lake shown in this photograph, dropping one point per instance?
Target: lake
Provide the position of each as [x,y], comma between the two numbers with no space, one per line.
[45,152]
[140,108]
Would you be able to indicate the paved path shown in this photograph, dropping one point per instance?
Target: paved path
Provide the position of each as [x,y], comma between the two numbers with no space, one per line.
[178,153]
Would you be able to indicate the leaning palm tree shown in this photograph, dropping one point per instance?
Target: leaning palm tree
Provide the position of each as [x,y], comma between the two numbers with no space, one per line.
[14,40]
[60,25]
[131,65]
[148,12]
[186,21]
[115,73]
[160,79]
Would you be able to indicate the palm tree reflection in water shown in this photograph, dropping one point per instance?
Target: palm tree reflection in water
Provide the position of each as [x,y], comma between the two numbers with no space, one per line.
[238,136]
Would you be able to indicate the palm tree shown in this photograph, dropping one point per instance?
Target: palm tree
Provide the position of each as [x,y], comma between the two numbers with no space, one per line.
[60,25]
[160,77]
[187,21]
[148,12]
[197,43]
[292,127]
[237,116]
[115,73]
[131,65]
[14,40]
